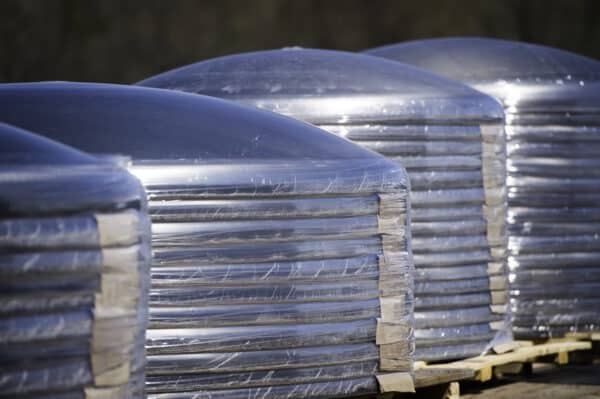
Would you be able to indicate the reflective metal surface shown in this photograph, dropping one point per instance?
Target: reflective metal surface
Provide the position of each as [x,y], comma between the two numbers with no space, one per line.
[324,86]
[552,103]
[271,240]
[449,138]
[58,320]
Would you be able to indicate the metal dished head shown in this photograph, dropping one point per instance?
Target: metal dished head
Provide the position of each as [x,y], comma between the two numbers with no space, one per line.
[41,176]
[530,76]
[552,100]
[20,147]
[324,86]
[154,124]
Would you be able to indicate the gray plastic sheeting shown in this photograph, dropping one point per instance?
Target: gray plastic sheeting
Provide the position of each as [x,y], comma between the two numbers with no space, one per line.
[552,103]
[73,309]
[282,262]
[448,137]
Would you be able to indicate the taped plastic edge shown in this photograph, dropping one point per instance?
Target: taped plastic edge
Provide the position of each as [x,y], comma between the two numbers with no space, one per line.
[498,283]
[118,229]
[495,268]
[111,369]
[491,132]
[396,382]
[389,332]
[498,297]
[105,393]
[391,307]
[116,300]
[393,206]
[497,325]
[499,309]
[394,327]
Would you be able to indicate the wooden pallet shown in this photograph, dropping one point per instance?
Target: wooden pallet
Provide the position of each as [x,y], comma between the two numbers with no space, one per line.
[437,381]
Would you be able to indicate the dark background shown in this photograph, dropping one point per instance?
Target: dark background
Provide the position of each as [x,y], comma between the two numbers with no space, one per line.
[125,41]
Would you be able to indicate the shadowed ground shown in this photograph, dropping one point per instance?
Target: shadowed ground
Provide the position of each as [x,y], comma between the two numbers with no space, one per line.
[549,382]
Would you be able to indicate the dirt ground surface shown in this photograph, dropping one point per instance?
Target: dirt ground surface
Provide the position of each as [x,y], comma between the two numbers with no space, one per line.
[566,382]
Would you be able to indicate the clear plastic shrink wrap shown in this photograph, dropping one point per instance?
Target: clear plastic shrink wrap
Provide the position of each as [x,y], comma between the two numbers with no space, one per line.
[449,138]
[552,104]
[282,264]
[75,257]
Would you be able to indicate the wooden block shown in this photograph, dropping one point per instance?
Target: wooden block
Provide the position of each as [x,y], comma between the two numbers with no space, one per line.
[524,353]
[449,390]
[484,374]
[508,369]
[419,364]
[430,376]
[562,358]
[505,347]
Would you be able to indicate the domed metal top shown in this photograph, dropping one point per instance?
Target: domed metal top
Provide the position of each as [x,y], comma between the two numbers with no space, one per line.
[528,75]
[20,147]
[197,144]
[323,86]
[39,176]
[150,124]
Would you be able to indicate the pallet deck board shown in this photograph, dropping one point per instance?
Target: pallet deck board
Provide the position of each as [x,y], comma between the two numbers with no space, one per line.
[481,368]
[434,376]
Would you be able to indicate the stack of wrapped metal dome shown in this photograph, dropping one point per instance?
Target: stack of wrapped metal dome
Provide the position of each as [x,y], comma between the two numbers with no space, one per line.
[75,257]
[281,252]
[552,103]
[448,136]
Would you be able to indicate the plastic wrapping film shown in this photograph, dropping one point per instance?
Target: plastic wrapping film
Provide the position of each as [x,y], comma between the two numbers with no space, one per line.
[553,231]
[73,308]
[449,138]
[264,226]
[278,284]
[552,126]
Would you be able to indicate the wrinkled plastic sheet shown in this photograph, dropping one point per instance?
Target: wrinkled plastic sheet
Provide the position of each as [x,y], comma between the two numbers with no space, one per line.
[255,378]
[90,188]
[461,351]
[57,322]
[458,230]
[554,218]
[553,142]
[276,288]
[320,390]
[269,180]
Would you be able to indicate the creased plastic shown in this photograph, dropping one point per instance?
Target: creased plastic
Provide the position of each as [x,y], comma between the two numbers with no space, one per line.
[292,283]
[448,137]
[552,110]
[73,308]
[458,228]
[265,228]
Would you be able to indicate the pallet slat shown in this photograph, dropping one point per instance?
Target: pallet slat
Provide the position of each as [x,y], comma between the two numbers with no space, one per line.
[481,368]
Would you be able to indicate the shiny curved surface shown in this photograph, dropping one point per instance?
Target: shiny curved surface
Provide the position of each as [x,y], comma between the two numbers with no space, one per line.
[528,76]
[552,102]
[56,257]
[152,124]
[270,237]
[449,139]
[325,86]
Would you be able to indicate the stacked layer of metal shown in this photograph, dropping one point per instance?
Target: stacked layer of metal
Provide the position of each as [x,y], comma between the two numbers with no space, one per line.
[552,103]
[75,257]
[281,252]
[448,136]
